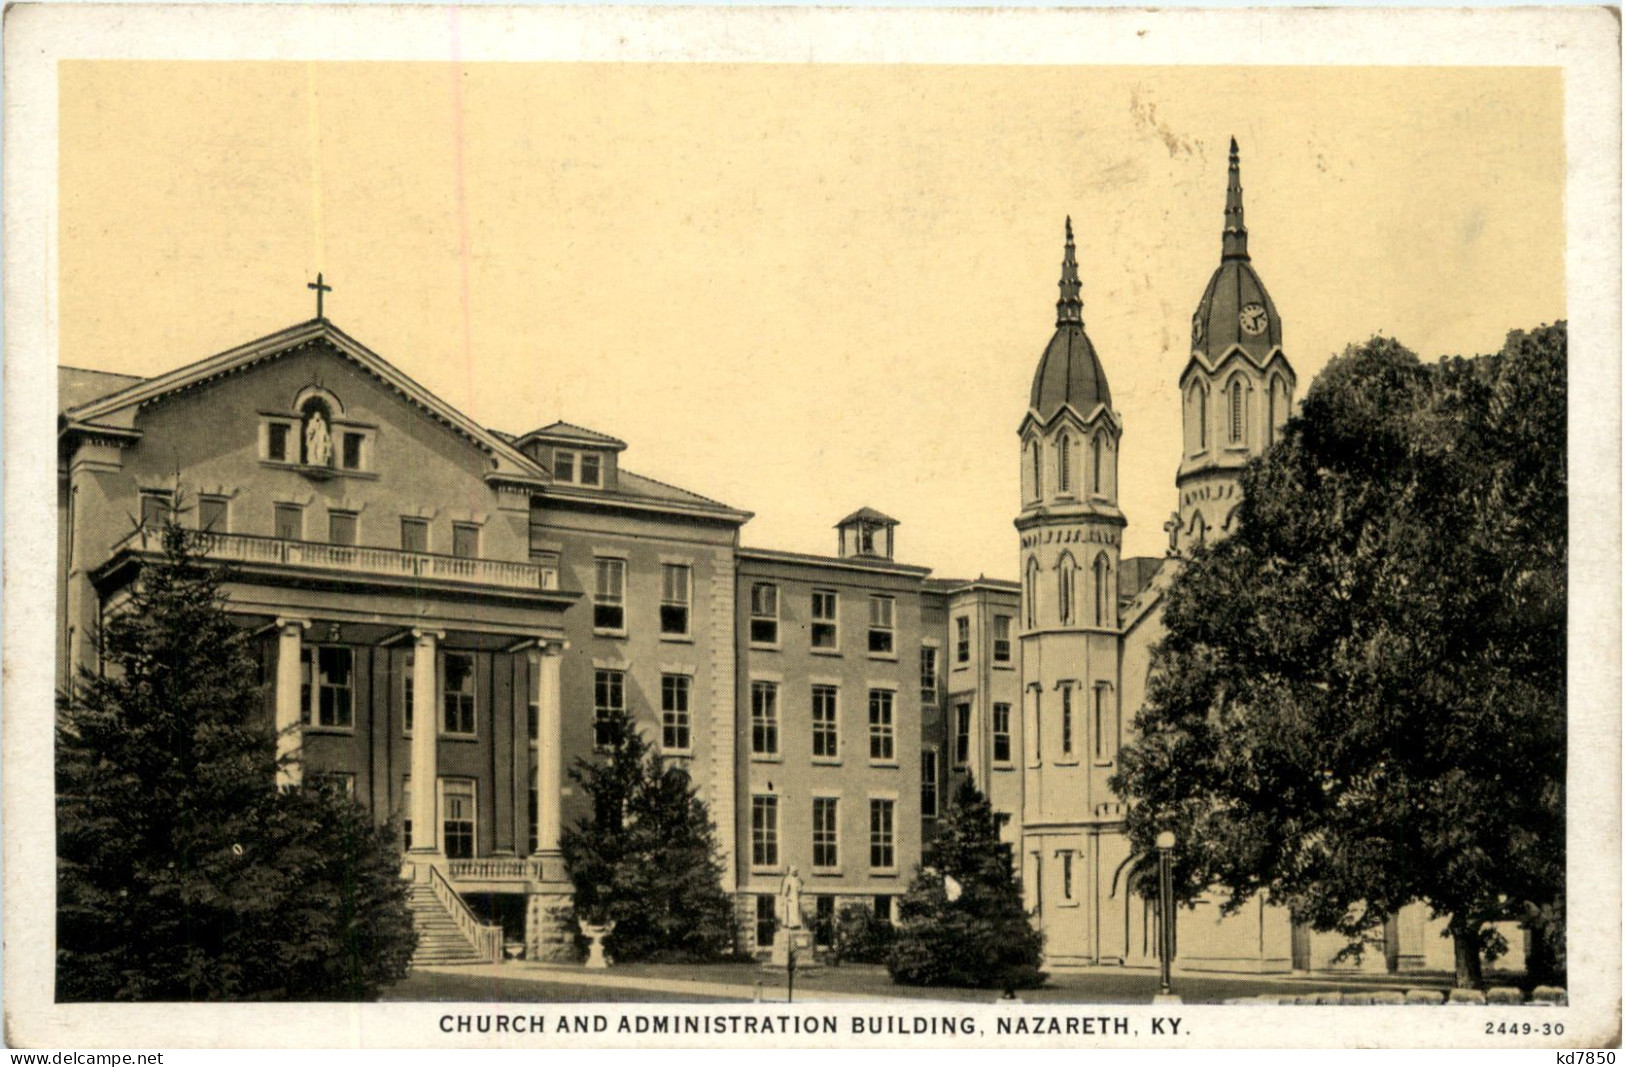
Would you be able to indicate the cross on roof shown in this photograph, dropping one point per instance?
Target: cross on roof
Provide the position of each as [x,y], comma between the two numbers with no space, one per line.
[320,289]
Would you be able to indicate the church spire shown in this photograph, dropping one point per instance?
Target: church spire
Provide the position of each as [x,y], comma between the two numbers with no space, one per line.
[1069,309]
[1235,230]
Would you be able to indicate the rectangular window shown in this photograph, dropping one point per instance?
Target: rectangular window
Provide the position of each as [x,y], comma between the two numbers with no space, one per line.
[826,834]
[406,812]
[211,514]
[674,723]
[608,703]
[1001,733]
[276,442]
[334,704]
[825,726]
[564,466]
[824,921]
[458,703]
[883,907]
[764,614]
[414,535]
[928,677]
[1001,639]
[825,628]
[533,722]
[764,831]
[609,594]
[962,640]
[406,695]
[534,813]
[457,817]
[928,783]
[764,718]
[1103,725]
[589,468]
[767,919]
[1036,742]
[882,841]
[882,735]
[1066,876]
[342,781]
[465,540]
[155,506]
[341,527]
[882,610]
[676,582]
[1066,720]
[350,451]
[961,734]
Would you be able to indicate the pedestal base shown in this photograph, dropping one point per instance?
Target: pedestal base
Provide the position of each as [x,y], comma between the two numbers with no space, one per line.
[806,958]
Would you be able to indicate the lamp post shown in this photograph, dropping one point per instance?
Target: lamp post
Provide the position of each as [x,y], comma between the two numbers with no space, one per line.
[1165,902]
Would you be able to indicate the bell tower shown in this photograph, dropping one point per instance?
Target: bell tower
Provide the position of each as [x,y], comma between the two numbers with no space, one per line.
[1070,523]
[1236,390]
[1071,534]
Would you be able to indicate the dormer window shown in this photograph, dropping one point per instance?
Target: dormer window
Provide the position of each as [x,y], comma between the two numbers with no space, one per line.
[590,469]
[578,468]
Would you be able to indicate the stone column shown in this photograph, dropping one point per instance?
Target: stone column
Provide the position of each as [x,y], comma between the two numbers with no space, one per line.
[425,738]
[524,694]
[549,933]
[290,641]
[550,747]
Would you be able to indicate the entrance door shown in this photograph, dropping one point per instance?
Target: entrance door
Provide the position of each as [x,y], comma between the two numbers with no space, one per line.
[1300,946]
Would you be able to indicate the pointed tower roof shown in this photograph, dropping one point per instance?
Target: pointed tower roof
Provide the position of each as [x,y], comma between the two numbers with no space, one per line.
[1235,309]
[1069,372]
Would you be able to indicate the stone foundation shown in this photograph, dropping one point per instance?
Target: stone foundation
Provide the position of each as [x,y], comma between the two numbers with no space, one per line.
[550,926]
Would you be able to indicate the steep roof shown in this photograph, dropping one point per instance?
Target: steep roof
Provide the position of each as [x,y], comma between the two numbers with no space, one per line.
[1069,371]
[1235,309]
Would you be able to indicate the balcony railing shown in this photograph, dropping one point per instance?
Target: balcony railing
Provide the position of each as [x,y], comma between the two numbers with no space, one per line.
[362,560]
[495,870]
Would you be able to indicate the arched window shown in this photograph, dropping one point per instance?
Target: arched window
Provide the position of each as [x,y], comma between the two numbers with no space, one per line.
[1237,399]
[1201,415]
[1096,447]
[1063,464]
[1199,529]
[1269,424]
[1032,593]
[1065,582]
[1103,612]
[1038,471]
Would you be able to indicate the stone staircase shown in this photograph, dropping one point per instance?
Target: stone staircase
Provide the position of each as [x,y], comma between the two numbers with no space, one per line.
[440,940]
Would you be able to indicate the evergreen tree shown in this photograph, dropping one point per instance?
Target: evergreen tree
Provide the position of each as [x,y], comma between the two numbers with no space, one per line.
[972,930]
[183,873]
[646,858]
[1360,700]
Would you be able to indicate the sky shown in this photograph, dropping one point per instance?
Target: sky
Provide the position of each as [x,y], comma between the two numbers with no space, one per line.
[800,288]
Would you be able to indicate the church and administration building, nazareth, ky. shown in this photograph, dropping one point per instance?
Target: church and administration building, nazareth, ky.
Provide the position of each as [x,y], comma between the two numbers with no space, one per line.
[443,613]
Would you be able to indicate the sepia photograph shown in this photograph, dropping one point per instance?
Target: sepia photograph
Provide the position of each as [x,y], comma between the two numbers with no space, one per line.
[589,528]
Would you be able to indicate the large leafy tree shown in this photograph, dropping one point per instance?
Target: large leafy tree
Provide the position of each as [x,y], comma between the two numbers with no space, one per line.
[962,921]
[1359,702]
[183,873]
[646,855]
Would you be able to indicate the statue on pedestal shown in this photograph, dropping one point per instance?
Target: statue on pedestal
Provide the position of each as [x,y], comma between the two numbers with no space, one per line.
[790,894]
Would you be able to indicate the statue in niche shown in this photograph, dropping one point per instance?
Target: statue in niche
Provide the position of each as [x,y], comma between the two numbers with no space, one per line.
[318,438]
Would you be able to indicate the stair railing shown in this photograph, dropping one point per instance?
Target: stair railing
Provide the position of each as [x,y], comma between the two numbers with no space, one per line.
[485,940]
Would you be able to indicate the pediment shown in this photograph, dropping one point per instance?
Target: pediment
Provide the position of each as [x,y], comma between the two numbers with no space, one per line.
[319,338]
